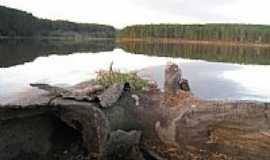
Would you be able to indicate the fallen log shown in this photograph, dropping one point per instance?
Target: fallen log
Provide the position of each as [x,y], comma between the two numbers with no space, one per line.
[149,124]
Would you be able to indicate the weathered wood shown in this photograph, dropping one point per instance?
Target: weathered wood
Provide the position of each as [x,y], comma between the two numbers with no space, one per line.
[111,95]
[238,130]
[56,91]
[184,85]
[88,93]
[88,119]
[123,145]
[173,76]
[174,124]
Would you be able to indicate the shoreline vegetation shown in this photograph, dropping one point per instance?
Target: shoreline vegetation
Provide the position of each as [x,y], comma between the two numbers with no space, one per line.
[184,41]
[78,37]
[16,24]
[244,35]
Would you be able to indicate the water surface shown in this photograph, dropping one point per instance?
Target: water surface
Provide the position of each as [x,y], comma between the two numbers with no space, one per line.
[71,63]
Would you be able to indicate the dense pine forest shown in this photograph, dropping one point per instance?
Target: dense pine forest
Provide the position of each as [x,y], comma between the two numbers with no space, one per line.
[16,23]
[208,32]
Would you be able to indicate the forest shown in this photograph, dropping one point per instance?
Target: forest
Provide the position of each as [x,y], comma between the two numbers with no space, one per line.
[16,23]
[242,33]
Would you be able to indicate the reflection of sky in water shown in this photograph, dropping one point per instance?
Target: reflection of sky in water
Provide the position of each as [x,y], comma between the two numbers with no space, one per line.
[208,80]
[254,80]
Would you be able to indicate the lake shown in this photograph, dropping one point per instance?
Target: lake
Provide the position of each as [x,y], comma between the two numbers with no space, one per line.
[214,72]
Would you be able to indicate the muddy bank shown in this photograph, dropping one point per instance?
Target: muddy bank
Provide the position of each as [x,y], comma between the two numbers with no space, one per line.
[91,122]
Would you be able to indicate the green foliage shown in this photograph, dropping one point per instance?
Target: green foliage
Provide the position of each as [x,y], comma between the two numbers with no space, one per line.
[110,77]
[19,23]
[208,32]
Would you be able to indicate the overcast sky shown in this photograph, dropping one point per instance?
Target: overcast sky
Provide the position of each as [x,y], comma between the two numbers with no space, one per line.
[120,13]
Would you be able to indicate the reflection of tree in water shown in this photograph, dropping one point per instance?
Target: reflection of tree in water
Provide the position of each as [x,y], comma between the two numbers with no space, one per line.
[215,53]
[14,52]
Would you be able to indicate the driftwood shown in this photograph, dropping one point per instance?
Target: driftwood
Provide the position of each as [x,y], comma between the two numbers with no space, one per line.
[148,125]
[123,144]
[86,94]
[111,95]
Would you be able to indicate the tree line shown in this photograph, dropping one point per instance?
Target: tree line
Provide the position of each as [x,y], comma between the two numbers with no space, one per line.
[209,32]
[14,23]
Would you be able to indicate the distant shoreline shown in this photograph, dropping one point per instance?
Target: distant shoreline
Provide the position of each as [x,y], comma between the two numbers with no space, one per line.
[51,38]
[202,42]
[148,40]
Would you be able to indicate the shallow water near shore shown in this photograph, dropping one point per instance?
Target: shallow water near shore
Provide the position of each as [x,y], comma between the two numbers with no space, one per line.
[209,80]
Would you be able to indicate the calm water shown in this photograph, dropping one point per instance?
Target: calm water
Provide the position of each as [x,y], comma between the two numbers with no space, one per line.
[214,72]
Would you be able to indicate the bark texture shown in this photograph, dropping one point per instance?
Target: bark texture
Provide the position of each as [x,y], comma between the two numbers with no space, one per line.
[122,124]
